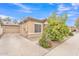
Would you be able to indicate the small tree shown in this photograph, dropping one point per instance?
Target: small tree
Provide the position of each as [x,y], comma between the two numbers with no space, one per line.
[64,18]
[15,21]
[7,19]
[55,30]
[77,22]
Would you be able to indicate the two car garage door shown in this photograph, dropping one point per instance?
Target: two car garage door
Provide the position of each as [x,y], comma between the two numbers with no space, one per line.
[11,28]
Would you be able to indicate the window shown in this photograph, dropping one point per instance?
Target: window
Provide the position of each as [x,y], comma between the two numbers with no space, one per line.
[37,28]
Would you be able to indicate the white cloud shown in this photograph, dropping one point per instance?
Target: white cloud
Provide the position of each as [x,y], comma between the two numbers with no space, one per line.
[61,7]
[24,8]
[73,14]
[51,3]
[24,11]
[70,15]
[4,16]
[75,5]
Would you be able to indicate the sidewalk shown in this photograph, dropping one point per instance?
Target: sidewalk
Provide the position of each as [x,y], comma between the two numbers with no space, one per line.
[68,48]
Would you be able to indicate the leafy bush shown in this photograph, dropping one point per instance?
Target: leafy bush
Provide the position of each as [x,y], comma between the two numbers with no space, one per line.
[77,22]
[71,34]
[57,31]
[44,42]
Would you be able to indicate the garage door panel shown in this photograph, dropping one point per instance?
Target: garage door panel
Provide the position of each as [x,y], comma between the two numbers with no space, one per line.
[11,29]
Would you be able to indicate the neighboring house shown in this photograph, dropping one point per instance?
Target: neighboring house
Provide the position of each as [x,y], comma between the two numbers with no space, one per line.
[9,26]
[31,27]
[1,29]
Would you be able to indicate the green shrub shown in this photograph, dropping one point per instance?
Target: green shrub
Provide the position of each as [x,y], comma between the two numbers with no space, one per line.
[77,22]
[57,31]
[44,42]
[71,34]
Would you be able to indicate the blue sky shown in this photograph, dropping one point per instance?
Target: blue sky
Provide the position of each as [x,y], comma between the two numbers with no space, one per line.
[39,10]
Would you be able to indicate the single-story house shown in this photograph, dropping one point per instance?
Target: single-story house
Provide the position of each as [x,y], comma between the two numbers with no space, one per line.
[31,27]
[9,26]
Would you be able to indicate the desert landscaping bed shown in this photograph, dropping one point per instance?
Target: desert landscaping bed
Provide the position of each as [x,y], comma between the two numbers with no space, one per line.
[54,43]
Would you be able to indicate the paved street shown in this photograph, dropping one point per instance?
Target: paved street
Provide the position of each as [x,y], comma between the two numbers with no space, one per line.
[68,48]
[14,44]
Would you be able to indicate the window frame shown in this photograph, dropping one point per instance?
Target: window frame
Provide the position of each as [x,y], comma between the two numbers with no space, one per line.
[38,31]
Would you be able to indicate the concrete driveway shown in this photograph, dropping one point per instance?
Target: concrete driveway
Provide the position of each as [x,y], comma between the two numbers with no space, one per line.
[13,44]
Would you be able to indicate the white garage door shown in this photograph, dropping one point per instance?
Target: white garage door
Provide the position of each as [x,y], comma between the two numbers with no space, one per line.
[11,29]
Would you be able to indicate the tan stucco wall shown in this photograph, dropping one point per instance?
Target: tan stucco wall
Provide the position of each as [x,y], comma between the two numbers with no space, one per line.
[23,29]
[45,22]
[29,28]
